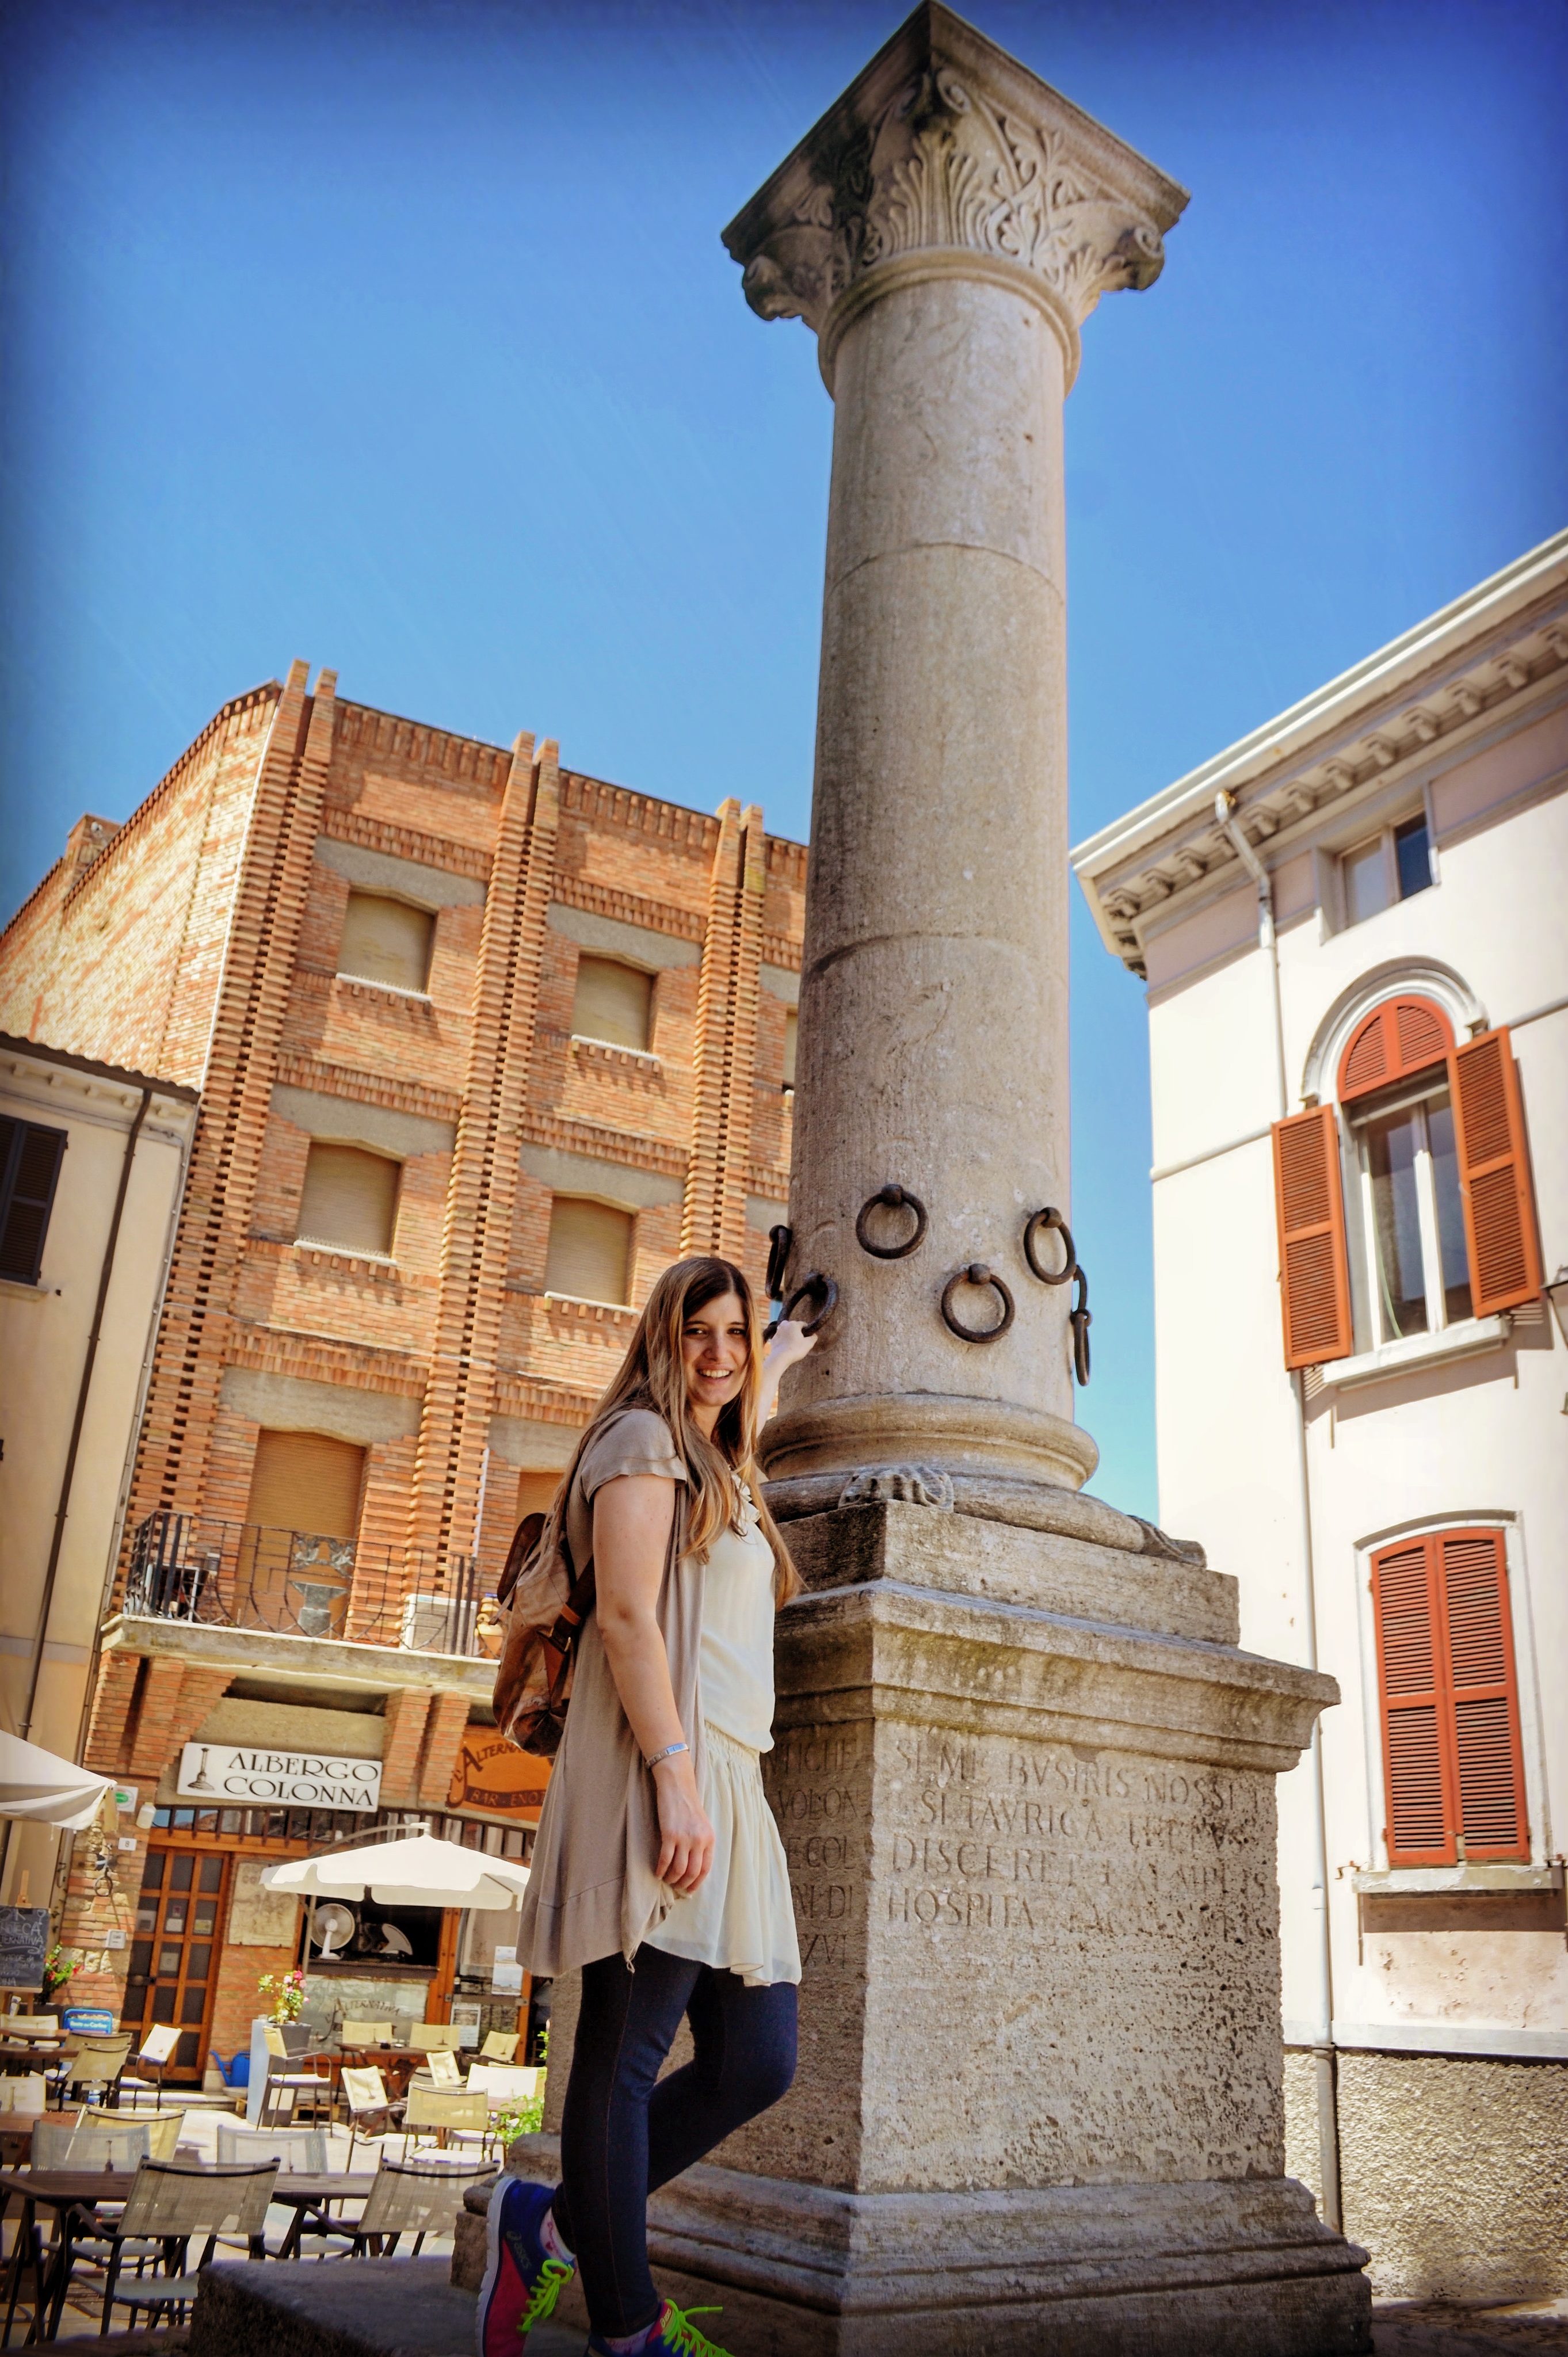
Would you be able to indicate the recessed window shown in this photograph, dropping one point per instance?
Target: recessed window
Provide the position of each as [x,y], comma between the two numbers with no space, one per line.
[1412,1217]
[307,1481]
[613,1003]
[589,1255]
[386,942]
[791,1031]
[349,1200]
[30,1157]
[1390,865]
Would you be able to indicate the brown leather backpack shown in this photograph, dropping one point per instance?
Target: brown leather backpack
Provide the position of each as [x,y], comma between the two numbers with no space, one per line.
[546,1604]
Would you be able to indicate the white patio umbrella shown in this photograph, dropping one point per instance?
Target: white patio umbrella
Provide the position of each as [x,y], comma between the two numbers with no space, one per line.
[417,1872]
[45,1790]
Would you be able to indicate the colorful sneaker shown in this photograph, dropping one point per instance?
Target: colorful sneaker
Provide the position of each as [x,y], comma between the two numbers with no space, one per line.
[674,2335]
[522,2281]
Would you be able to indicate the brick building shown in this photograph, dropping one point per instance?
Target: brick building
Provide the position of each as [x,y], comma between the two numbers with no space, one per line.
[481,1044]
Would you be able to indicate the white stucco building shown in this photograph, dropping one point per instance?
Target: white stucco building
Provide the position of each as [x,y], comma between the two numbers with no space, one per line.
[1353,931]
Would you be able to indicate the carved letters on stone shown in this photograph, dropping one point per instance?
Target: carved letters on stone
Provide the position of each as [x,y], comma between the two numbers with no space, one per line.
[944,142]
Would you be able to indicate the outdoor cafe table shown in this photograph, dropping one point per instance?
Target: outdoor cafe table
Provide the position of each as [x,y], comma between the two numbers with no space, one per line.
[397,2063]
[73,2193]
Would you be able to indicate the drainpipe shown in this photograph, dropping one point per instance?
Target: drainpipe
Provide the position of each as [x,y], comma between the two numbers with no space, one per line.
[68,1477]
[1324,2068]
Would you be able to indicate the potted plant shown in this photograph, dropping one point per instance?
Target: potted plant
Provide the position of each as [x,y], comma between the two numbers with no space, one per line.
[59,1967]
[286,1992]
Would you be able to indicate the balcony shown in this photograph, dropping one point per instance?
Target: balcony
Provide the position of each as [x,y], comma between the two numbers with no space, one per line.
[249,1576]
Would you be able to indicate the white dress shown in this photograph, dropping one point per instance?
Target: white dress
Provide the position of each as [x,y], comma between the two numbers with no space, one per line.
[741,1918]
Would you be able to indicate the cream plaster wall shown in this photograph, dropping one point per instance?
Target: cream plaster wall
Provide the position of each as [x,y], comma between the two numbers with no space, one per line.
[44,1333]
[1483,1438]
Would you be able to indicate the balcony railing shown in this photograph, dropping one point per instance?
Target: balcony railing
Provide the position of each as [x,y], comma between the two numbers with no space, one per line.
[298,1584]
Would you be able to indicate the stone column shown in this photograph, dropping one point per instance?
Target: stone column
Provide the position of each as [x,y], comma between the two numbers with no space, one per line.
[1023,1774]
[944,229]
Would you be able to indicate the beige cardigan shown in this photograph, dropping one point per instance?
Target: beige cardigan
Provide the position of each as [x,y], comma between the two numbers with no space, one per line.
[592,1890]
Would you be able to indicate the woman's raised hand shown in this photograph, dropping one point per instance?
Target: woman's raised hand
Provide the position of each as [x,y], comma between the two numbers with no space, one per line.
[791,1343]
[685,1835]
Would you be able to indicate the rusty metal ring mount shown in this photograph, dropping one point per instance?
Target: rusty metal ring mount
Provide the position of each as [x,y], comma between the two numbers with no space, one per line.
[1081,1322]
[977,1273]
[815,1282]
[1045,1220]
[893,1199]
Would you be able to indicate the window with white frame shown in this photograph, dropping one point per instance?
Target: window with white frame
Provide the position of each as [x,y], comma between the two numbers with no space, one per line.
[1415,1270]
[1393,864]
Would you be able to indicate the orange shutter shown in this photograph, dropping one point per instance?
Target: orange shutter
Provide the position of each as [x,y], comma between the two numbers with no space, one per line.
[1420,1832]
[1314,1276]
[1449,1701]
[1489,1763]
[1401,1037]
[1494,1174]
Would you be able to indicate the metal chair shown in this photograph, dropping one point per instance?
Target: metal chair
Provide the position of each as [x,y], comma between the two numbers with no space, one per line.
[429,2035]
[440,2069]
[156,2052]
[92,2140]
[364,2091]
[311,2088]
[407,2198]
[298,2152]
[444,2111]
[500,2046]
[171,2204]
[95,2063]
[364,2033]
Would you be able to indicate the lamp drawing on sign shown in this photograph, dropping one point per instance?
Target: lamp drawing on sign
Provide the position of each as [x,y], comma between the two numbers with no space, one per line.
[201,1782]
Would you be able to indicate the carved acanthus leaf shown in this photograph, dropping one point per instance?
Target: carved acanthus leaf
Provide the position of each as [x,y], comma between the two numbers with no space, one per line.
[958,156]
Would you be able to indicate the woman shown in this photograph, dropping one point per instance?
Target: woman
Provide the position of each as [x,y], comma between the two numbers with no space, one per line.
[657,1867]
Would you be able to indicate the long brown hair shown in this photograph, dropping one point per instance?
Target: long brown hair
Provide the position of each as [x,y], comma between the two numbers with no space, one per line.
[652,1374]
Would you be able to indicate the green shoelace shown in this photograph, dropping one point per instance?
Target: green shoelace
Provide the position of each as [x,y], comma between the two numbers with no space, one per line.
[549,2285]
[678,2333]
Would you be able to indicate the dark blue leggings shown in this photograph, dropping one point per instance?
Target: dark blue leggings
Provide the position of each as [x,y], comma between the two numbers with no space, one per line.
[624,2131]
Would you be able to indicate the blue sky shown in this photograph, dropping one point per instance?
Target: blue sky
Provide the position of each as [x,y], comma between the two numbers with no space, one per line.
[401,339]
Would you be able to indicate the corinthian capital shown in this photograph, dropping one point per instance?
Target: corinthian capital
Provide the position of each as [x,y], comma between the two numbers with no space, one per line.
[946,144]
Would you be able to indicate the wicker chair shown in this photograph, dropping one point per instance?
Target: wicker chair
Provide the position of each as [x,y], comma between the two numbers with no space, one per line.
[298,2151]
[95,2063]
[446,2112]
[93,2140]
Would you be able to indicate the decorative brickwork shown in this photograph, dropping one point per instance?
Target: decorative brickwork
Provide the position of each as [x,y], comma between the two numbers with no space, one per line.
[442,1739]
[407,1712]
[714,1217]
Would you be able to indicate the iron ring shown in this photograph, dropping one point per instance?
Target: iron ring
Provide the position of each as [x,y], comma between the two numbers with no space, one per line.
[815,1282]
[1047,1219]
[894,1198]
[1081,1322]
[977,1273]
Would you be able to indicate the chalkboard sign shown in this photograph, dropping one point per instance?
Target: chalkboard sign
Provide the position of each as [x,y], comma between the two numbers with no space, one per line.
[23,1944]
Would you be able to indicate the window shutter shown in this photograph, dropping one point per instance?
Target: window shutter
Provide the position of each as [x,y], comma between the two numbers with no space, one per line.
[349,1200]
[30,1157]
[1487,1755]
[1315,1276]
[1401,1037]
[307,1481]
[589,1255]
[1411,1700]
[386,941]
[1448,1695]
[612,1001]
[1493,1176]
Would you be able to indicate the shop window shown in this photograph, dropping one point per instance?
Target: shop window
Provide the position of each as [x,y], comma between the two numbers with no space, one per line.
[386,941]
[1448,1697]
[589,1255]
[1411,1198]
[791,1031]
[349,1200]
[30,1156]
[1390,865]
[613,1003]
[307,1481]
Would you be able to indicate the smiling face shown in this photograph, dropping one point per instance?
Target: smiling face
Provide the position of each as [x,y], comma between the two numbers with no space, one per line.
[716,1345]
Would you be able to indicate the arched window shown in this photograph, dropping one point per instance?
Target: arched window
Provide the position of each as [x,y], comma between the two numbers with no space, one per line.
[1405,1208]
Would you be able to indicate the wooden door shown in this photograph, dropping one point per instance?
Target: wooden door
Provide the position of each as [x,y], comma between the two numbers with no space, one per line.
[175,1951]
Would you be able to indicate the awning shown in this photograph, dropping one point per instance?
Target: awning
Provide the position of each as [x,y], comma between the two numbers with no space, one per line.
[44,1790]
[417,1872]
